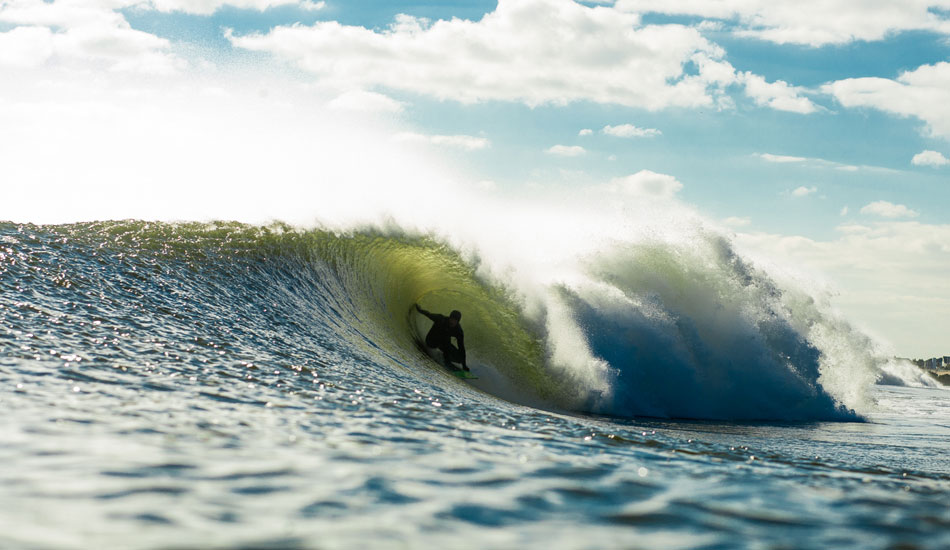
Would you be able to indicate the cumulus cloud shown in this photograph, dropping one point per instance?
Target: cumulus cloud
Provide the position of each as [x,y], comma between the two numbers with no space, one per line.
[467,143]
[930,158]
[804,191]
[923,93]
[95,33]
[647,183]
[566,150]
[585,132]
[530,51]
[629,130]
[809,22]
[887,209]
[778,95]
[80,33]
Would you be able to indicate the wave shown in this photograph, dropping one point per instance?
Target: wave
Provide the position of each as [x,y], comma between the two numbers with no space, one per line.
[650,328]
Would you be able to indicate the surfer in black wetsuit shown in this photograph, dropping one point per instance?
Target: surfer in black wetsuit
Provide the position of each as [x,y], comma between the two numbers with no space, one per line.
[439,337]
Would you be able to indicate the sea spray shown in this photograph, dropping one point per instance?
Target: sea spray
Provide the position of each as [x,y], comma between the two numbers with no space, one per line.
[696,332]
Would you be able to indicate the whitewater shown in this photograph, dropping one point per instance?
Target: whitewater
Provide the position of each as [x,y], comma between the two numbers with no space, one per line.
[219,352]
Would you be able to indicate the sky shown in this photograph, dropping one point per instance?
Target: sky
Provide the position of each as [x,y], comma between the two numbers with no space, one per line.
[816,131]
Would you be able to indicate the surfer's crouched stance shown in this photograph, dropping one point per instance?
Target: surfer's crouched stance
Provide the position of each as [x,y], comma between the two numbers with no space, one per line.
[443,329]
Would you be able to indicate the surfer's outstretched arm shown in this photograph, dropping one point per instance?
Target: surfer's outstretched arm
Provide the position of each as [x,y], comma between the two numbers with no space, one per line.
[424,312]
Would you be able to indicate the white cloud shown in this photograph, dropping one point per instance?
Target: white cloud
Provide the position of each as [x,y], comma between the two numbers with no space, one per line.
[467,143]
[94,34]
[804,191]
[888,210]
[778,95]
[585,132]
[361,100]
[930,158]
[647,183]
[820,163]
[530,51]
[810,22]
[768,157]
[63,14]
[923,93]
[81,34]
[844,211]
[629,130]
[566,150]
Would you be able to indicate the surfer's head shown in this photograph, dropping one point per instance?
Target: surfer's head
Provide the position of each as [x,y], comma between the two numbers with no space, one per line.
[455,317]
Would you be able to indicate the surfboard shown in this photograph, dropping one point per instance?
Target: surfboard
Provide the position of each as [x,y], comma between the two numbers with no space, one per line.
[464,374]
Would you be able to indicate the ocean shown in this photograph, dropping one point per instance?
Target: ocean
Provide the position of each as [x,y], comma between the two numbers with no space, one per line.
[225,386]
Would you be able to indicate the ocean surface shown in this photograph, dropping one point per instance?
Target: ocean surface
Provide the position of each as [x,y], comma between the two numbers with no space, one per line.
[218,385]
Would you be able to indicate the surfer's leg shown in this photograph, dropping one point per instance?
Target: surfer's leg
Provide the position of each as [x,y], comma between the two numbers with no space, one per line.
[450,354]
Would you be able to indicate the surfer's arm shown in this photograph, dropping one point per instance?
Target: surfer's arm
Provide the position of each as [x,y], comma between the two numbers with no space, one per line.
[424,312]
[460,338]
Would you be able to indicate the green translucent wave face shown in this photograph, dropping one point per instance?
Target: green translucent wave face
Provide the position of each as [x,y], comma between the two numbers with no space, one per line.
[388,274]
[375,276]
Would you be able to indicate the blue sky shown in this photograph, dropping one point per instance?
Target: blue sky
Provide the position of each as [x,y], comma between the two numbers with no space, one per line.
[818,130]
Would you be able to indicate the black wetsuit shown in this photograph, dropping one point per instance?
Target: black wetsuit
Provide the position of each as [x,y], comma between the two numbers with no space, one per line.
[439,337]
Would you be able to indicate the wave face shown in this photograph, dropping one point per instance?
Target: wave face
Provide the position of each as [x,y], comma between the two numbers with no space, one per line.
[650,329]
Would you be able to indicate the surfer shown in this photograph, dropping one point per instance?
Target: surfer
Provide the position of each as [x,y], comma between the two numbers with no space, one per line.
[439,336]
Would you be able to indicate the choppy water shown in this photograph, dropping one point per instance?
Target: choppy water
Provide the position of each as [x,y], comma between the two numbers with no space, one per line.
[222,386]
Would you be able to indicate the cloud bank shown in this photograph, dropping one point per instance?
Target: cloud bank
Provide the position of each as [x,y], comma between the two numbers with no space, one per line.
[535,52]
[809,22]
